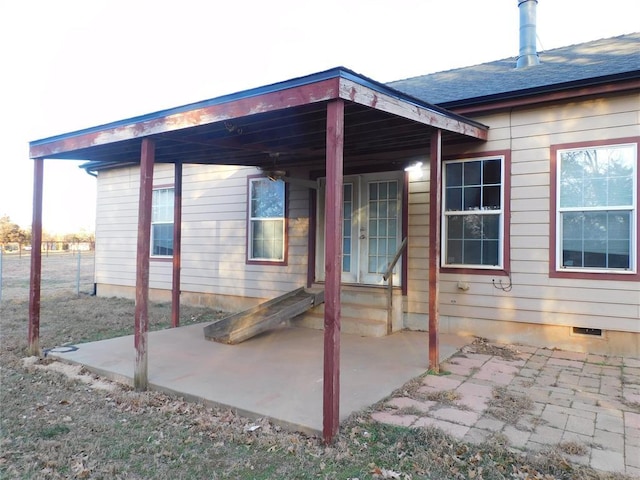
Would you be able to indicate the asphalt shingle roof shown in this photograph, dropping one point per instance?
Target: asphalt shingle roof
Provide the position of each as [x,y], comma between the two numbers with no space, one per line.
[591,62]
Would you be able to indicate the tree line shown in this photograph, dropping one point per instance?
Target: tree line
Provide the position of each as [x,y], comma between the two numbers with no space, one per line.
[15,238]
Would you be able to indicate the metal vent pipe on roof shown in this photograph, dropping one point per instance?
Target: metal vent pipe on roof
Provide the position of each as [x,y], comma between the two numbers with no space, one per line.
[528,54]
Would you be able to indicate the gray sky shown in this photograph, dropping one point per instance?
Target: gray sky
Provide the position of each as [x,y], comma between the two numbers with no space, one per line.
[72,64]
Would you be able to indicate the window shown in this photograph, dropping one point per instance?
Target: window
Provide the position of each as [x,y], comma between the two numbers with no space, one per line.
[162,223]
[473,213]
[266,220]
[596,204]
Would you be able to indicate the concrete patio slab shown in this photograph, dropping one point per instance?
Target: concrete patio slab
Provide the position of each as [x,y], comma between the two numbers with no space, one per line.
[276,375]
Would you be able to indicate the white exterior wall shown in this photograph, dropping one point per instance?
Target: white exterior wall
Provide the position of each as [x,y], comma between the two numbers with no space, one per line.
[214,225]
[535,298]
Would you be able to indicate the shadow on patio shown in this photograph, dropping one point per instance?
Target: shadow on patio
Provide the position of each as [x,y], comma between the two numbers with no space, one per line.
[276,375]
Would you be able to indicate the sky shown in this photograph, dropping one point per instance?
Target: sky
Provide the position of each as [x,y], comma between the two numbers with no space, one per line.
[73,64]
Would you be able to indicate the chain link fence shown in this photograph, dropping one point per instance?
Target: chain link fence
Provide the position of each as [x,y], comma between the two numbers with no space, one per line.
[67,272]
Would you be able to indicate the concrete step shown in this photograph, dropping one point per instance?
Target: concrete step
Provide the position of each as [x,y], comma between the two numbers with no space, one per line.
[355,326]
[363,311]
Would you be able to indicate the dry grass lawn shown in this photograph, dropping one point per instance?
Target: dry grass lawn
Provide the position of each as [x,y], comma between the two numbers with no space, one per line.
[57,426]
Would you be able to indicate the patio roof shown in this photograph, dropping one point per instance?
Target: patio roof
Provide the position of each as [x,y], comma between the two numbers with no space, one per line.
[284,121]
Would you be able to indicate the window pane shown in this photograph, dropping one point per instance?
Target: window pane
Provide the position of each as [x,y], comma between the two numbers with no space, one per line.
[454,252]
[471,198]
[373,247]
[453,199]
[472,227]
[346,246]
[453,173]
[382,191]
[620,191]
[454,226]
[618,255]
[491,172]
[473,240]
[267,198]
[393,189]
[392,228]
[373,228]
[490,252]
[162,205]
[373,191]
[267,236]
[162,239]
[596,239]
[595,253]
[472,252]
[597,177]
[472,173]
[490,227]
[491,197]
[346,263]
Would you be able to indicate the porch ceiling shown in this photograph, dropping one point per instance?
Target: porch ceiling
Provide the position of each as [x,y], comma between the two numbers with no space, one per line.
[277,125]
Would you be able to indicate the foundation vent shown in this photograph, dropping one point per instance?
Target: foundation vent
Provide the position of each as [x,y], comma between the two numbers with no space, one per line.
[595,332]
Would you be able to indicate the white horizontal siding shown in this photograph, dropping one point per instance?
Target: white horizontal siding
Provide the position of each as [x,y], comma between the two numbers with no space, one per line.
[534,297]
[214,222]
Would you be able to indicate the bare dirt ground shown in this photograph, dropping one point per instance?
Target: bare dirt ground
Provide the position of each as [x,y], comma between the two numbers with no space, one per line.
[60,422]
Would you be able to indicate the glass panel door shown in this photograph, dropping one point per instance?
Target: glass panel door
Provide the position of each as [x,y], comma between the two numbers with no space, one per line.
[380,235]
[371,228]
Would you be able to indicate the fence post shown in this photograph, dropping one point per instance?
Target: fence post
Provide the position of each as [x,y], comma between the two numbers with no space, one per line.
[78,275]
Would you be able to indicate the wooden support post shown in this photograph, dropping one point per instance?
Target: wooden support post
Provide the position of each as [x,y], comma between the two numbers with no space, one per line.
[435,199]
[140,378]
[177,239]
[333,269]
[35,276]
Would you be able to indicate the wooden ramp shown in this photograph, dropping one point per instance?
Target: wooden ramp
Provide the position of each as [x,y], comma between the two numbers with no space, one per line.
[244,325]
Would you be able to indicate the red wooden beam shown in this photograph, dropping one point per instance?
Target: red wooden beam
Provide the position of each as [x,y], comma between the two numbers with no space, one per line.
[267,102]
[177,239]
[364,95]
[140,378]
[435,200]
[35,276]
[333,269]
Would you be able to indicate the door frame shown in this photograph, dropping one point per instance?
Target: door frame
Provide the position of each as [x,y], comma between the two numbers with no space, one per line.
[360,182]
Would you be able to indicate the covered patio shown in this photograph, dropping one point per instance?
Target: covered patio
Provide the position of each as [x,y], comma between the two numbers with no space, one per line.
[277,375]
[335,121]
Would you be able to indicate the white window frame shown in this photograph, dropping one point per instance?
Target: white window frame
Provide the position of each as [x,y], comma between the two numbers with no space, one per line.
[251,258]
[161,215]
[632,209]
[500,212]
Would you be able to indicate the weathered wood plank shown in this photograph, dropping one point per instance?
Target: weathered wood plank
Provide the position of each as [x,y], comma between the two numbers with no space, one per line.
[434,250]
[333,269]
[36,259]
[141,127]
[244,325]
[350,90]
[141,314]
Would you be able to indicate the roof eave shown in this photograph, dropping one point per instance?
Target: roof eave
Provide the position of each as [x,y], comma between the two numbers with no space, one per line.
[335,83]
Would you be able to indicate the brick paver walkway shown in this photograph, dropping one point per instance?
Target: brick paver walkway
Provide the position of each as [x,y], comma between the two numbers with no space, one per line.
[587,405]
